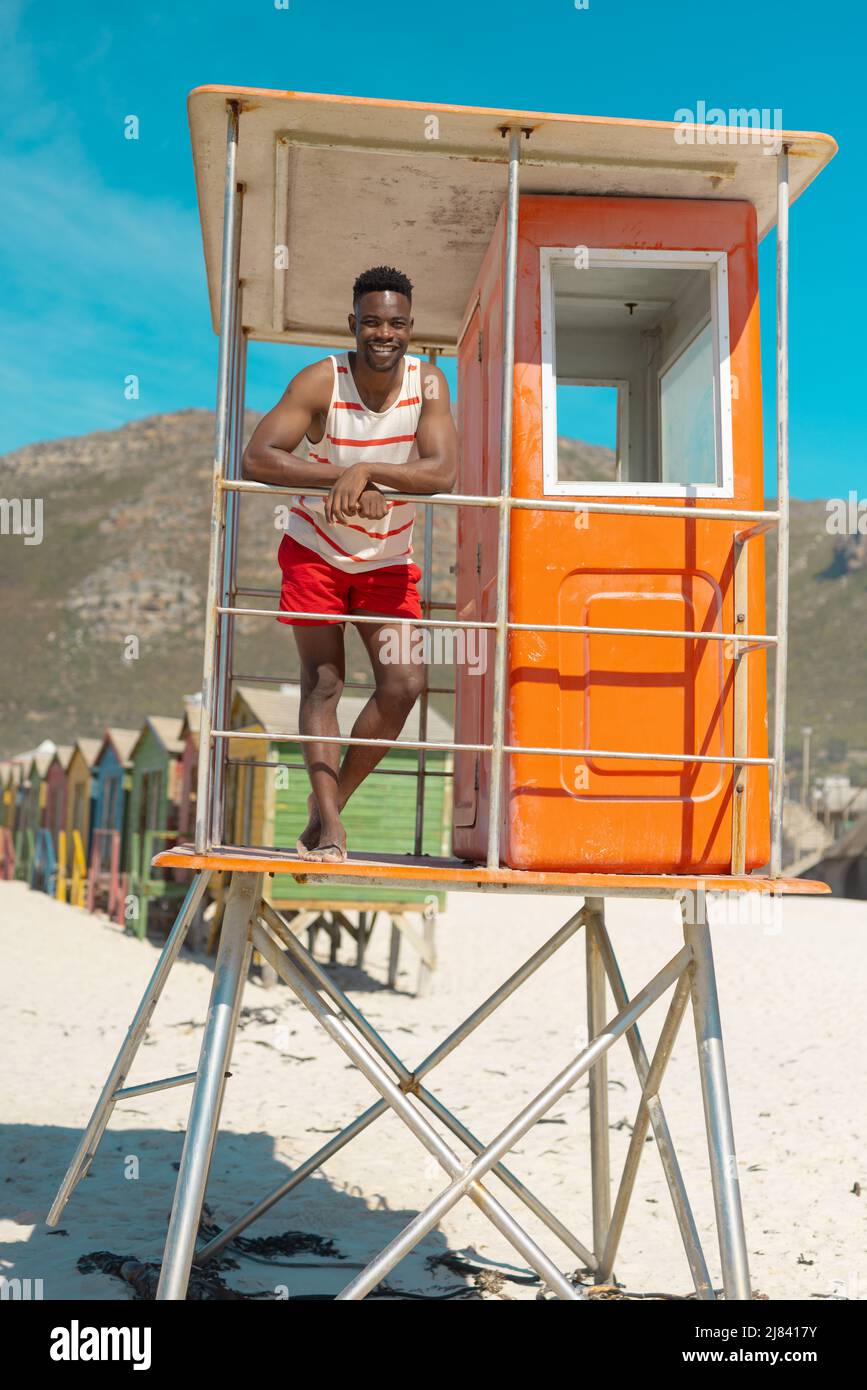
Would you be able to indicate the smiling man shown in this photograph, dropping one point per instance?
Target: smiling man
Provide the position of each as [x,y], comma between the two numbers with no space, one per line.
[367,425]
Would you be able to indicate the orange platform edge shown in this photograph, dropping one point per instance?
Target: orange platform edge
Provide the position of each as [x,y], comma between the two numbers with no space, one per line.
[456,873]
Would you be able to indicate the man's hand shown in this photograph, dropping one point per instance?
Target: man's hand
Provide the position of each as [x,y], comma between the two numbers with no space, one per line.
[354,495]
[372,503]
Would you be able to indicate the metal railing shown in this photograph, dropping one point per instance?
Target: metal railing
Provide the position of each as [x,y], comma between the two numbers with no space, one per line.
[222,606]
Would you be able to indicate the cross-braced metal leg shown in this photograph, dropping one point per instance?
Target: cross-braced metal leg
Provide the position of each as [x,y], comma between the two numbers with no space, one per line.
[410,1082]
[113,1090]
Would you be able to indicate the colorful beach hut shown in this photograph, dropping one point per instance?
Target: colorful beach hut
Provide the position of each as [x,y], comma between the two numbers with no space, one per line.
[8,787]
[152,812]
[112,774]
[35,769]
[15,792]
[54,817]
[73,849]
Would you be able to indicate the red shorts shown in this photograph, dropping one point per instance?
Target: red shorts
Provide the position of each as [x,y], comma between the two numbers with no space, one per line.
[311,585]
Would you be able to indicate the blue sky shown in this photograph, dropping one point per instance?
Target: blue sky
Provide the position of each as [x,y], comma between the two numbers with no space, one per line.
[101,256]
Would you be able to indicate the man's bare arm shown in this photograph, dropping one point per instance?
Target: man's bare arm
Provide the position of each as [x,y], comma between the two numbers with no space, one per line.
[269,456]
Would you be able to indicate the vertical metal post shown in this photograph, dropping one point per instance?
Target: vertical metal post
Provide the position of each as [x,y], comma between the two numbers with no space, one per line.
[782,628]
[426,587]
[229,976]
[228,297]
[717,1112]
[600,1164]
[501,634]
[225,644]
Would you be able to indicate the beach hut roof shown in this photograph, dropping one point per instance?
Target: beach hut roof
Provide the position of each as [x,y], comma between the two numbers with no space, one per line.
[305,157]
[167,729]
[41,763]
[63,755]
[88,748]
[123,741]
[277,712]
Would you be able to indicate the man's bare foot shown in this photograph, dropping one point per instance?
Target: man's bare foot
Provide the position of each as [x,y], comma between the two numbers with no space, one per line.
[331,846]
[310,835]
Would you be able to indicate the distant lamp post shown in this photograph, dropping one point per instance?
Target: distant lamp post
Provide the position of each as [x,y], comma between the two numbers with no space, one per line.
[805,780]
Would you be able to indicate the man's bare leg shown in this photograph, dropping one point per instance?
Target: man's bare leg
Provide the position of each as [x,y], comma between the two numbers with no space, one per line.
[323,666]
[397,687]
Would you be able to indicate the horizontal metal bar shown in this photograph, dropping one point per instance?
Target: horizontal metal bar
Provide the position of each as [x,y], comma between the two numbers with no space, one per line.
[533,504]
[350,617]
[347,685]
[374,771]
[278,737]
[186,1079]
[755,638]
[272,736]
[739,637]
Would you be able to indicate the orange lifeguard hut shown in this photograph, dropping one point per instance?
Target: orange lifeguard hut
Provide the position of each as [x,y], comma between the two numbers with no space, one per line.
[630,626]
[617,742]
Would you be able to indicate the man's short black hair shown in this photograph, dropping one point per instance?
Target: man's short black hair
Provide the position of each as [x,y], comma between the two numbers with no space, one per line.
[381,277]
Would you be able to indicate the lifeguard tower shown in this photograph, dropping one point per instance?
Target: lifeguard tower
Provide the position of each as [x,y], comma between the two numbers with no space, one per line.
[617,744]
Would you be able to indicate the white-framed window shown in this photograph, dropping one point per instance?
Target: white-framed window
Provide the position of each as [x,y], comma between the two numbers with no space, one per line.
[653,326]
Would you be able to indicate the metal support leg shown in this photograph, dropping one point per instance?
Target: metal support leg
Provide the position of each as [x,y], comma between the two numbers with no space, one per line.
[90,1140]
[233,954]
[600,1162]
[717,1113]
[650,1113]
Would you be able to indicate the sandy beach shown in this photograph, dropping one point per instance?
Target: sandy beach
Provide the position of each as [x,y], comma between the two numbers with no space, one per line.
[793,1013]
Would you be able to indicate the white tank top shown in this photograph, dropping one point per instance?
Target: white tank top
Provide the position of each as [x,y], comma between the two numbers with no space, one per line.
[353,433]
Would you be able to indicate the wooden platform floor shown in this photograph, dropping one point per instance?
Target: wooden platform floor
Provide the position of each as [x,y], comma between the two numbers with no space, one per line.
[443,874]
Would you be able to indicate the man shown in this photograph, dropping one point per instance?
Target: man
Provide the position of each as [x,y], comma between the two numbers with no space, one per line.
[370,425]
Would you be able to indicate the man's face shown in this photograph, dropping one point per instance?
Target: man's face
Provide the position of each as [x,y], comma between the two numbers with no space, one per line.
[382,325]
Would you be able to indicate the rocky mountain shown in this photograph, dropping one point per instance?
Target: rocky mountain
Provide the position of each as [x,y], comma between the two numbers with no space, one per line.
[102,622]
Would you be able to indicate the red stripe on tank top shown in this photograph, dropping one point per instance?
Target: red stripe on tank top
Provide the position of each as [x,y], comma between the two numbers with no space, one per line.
[359,559]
